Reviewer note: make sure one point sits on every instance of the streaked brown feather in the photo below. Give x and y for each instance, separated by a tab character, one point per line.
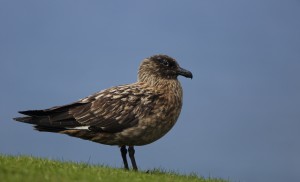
117	108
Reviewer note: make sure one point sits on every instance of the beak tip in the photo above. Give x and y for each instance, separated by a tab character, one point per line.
189	75
185	73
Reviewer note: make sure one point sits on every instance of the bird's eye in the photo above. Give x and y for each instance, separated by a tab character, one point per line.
165	62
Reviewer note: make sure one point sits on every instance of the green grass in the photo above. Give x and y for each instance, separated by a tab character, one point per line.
23	168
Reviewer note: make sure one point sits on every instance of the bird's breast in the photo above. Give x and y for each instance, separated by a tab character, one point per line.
165	112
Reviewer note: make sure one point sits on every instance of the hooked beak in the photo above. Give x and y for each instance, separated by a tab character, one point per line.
184	73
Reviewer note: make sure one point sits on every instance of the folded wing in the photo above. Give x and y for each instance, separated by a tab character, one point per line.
111	110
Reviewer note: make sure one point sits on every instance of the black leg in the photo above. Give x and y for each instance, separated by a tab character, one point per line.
123	153
131	155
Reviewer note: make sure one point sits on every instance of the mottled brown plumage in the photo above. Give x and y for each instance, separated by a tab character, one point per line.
126	115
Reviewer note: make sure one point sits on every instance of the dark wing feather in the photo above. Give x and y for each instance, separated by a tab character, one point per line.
52	110
53	117
115	109
111	110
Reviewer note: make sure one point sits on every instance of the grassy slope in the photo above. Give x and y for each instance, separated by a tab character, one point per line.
32	169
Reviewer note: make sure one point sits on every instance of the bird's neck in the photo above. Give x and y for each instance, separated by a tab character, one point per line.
169	85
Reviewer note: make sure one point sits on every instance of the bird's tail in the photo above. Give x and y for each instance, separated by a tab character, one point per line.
41	124
59	122
27	119
53	120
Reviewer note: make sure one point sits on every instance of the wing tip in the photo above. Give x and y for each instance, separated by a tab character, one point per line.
22	112
27	119
32	112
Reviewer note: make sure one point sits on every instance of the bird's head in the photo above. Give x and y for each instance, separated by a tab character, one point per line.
161	67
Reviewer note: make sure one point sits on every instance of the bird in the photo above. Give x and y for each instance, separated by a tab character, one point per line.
127	115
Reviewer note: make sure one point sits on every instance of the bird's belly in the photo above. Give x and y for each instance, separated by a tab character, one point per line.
145	133
149	128
142	134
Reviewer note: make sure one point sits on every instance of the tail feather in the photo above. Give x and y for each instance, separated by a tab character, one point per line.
54	119
47	121
49	129
27	119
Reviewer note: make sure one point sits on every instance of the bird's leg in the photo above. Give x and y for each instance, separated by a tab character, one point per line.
131	155
124	157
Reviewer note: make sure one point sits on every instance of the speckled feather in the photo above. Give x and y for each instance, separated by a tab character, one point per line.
132	114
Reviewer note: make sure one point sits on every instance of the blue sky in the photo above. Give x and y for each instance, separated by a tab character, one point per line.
240	118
